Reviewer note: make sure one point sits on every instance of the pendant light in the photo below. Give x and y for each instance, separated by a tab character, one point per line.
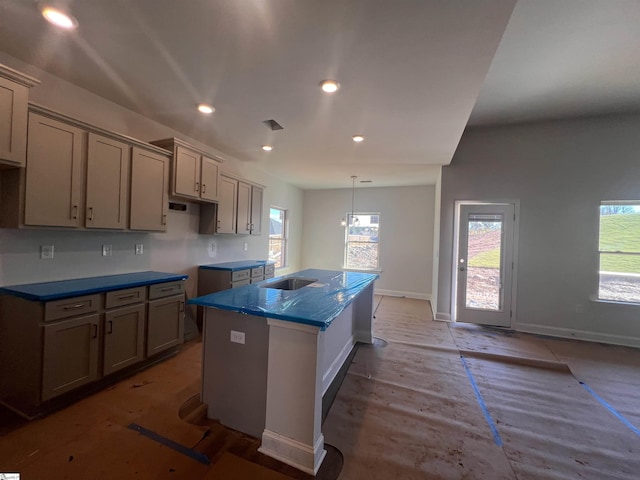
352	220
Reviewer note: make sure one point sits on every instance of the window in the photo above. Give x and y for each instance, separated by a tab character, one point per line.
362	241
278	236
619	248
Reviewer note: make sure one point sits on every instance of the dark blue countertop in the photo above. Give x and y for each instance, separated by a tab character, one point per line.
43	292
316	304
237	265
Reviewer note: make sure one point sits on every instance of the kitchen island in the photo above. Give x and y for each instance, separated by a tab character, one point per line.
272	349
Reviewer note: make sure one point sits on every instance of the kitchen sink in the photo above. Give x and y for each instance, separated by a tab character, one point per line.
291	283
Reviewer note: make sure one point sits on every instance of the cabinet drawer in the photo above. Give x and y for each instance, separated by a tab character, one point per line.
269	269
257	272
268	275
160	290
245	281
70	307
257	279
128	296
240	275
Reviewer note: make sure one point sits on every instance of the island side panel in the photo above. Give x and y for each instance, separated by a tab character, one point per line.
337	341
294	397
363	315
234	375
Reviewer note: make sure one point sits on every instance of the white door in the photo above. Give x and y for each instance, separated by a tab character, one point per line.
485	264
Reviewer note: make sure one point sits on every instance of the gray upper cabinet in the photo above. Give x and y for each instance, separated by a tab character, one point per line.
194	173
108	164
149	191
81	176
54	183
227	205
249	209
14	98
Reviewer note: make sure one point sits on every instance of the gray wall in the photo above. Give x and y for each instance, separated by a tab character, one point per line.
406	234
180	250
560	171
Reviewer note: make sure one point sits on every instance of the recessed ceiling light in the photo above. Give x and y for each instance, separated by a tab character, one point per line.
204	108
358	138
59	18
329	86
267	148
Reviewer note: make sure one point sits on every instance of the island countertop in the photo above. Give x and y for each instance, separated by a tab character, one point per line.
316	304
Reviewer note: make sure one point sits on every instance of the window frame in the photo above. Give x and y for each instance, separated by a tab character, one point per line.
598	296
284	257
347	242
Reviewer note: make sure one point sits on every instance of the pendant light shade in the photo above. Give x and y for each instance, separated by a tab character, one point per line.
351	219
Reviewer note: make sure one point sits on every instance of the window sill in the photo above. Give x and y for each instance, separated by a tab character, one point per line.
595	299
363	270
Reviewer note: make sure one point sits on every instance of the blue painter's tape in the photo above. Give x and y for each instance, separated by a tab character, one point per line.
494	430
604	403
197	456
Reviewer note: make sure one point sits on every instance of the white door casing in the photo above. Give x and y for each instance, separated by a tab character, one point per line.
485	263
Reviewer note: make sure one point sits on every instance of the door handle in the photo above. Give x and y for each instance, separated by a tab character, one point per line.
462	269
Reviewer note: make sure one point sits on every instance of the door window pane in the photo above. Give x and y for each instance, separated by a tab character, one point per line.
484	252
278	236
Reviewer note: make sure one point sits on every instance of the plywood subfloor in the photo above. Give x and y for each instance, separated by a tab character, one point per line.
409	410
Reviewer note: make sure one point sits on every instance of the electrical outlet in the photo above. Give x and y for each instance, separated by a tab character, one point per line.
139	248
237	337
106	250
46	251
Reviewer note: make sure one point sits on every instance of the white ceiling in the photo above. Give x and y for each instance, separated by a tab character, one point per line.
410	70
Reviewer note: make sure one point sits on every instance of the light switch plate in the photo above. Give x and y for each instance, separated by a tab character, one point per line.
139	248
106	250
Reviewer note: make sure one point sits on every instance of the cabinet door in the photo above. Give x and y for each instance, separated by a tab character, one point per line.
227	210
165	324
209	178
256	210
70	355
107	183
13	122
53	189
123	337
186	173
244	208
149	191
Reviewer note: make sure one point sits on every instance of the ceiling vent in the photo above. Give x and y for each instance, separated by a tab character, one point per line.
273	125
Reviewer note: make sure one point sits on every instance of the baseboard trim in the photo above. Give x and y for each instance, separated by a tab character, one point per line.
398	293
442	317
297	454
579	335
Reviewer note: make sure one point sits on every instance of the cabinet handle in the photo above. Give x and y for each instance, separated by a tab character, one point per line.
95	330
73	307
74	214
204	188
124	297
91	214
164	219
197	186
167	289
182	306
110	322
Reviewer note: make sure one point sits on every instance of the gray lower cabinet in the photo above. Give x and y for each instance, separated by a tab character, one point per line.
48	348
70	354
123	337
166	324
